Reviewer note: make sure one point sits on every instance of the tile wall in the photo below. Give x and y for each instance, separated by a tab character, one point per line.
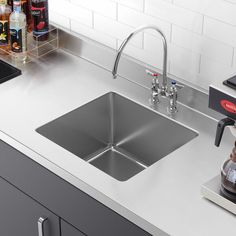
201	34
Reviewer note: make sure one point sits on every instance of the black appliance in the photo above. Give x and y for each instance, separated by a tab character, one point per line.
222	98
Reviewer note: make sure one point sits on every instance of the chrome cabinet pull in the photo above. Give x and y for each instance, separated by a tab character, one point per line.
41	223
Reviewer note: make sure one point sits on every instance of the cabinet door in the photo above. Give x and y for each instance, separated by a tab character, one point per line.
68	202
69	230
19	214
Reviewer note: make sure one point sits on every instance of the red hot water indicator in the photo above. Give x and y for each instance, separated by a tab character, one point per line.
228	106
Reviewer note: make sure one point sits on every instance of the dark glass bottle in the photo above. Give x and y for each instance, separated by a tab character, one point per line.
10	3
25	5
39	11
228	176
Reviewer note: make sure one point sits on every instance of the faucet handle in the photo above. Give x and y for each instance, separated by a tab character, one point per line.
173	94
152	74
155	86
175	84
155	81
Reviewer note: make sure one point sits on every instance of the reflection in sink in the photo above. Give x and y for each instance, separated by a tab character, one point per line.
117	135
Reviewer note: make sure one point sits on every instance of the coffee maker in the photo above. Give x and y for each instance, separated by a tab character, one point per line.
222	98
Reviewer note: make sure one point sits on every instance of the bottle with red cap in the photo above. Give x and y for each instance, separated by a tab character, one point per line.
26	5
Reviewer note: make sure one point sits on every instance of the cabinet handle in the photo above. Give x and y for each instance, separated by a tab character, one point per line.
41	223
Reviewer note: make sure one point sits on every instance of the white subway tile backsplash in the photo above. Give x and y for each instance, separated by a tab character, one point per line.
135	4
136	19
195	5
220	31
60	20
153	45
152	58
184	63
104	7
218	9
93	34
171	1
231	1
116	29
202	45
214	71
201	34
174	14
75	12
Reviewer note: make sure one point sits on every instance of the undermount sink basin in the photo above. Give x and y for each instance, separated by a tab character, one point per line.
117	135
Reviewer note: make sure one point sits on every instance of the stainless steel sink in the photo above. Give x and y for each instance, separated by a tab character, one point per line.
117	135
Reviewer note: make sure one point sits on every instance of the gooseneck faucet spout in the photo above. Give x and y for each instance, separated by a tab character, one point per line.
125	42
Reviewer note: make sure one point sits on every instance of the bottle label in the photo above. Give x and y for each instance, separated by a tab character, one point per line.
4	27
3	2
39	12
16	40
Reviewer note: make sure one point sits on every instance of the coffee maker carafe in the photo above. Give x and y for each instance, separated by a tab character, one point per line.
223	100
228	169
228	176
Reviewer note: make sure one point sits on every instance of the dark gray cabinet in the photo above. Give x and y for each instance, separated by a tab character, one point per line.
71	204
19	214
69	230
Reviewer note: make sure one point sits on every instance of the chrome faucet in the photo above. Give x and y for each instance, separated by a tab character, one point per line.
156	89
163	87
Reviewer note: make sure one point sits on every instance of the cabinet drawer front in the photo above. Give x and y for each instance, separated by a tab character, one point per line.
69	230
65	200
19	214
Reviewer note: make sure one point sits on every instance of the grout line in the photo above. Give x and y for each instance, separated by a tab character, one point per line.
203	13
229	2
117	6
70	24
202	35
234	55
143	38
130	7
171	33
144	5
203	24
199	65
221	21
117	44
93	21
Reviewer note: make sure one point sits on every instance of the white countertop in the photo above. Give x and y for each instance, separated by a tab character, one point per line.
165	196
